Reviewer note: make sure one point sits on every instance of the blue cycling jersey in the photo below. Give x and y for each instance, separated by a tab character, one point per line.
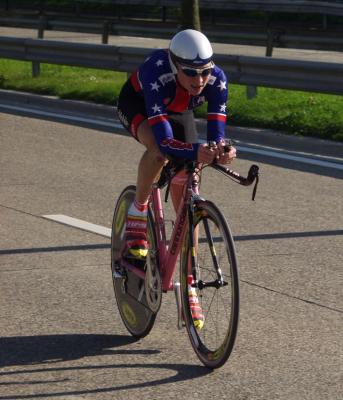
163	95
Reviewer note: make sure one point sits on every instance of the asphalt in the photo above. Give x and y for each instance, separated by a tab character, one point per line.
60	333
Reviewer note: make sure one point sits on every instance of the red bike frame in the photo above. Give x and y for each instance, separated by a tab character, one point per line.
168	254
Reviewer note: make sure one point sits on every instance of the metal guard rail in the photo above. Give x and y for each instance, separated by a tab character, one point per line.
256	71
290	6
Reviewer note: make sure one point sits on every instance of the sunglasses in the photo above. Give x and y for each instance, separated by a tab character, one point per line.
193	72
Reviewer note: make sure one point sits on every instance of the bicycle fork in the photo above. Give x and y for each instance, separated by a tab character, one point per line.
177	286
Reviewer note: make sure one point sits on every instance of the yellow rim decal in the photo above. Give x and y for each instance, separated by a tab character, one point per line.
129	314
120	217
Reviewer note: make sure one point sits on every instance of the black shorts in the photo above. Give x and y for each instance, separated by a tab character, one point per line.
132	112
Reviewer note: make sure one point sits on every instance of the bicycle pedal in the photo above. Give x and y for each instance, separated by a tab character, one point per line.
118	272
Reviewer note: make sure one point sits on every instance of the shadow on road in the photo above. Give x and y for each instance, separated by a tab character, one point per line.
23	350
102	246
35	350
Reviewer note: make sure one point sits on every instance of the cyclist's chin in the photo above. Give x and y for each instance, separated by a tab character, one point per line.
195	90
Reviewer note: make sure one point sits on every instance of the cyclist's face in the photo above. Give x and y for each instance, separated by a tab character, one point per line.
194	80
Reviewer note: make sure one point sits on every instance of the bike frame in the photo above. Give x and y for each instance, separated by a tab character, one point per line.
168	253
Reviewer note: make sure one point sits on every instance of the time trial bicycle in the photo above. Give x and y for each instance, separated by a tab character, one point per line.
203	240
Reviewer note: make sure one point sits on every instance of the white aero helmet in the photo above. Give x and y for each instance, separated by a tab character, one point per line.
191	48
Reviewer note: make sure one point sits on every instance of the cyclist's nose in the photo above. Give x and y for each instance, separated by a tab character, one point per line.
199	79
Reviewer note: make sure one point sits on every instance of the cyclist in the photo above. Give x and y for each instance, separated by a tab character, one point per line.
156	106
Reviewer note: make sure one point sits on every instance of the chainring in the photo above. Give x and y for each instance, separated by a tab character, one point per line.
153	284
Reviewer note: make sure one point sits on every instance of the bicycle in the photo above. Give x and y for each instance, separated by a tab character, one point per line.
208	264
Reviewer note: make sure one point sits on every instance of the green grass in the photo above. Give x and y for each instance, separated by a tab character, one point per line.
298	113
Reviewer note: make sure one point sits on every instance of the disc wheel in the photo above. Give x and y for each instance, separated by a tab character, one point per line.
129	289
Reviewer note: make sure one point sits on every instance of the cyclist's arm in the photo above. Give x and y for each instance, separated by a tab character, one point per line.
216	95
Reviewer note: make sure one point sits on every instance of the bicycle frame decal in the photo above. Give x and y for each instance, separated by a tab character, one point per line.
178	234
168	255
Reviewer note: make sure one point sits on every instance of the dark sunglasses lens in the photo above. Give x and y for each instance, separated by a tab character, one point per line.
193	72
206	72
190	72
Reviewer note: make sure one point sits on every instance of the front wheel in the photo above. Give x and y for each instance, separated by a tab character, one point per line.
128	287
216	285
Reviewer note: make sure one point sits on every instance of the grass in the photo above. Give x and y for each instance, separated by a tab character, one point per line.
298	113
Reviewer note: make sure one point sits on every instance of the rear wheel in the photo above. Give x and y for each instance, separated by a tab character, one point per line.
216	286
129	289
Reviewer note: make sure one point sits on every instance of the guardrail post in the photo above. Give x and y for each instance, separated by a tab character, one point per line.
270	43
43	22
35	69
251	92
105	32
325	22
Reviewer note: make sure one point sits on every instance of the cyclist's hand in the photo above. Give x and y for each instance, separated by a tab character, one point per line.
206	154
224	156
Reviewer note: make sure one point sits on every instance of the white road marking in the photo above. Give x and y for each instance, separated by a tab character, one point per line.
32	111
79	224
291	157
312	159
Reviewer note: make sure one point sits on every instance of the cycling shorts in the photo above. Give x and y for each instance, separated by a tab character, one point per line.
132	112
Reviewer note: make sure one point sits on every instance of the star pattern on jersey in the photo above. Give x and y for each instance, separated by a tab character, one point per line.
159	63
199	100
156	108
155	86
222	85
222	107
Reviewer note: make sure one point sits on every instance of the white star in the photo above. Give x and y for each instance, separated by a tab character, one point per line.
159	63
155	86
222	107
156	108
222	85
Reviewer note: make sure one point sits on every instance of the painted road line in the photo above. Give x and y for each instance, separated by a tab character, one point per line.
339	160
79	224
94	121
291	157
103	231
310	159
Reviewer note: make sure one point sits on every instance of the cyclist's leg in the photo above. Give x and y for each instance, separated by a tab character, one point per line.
184	129
132	113
151	163
149	169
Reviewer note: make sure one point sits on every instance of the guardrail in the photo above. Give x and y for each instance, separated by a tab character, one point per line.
328	7
256	35
269	33
255	71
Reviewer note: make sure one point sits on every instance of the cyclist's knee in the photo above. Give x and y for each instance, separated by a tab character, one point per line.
157	157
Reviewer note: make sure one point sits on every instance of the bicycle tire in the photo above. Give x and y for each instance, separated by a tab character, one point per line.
136	315
214	342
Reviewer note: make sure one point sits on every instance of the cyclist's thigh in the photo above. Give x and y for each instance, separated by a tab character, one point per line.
187	121
146	136
131	109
